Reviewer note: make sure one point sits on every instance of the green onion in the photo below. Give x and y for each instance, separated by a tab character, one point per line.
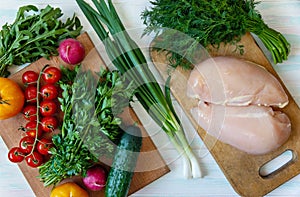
130	61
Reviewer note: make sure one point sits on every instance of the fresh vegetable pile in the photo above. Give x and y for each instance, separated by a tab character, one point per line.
90	128
131	62
209	23
71	114
34	33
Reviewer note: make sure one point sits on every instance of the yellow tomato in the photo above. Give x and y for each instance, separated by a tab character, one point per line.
69	189
11	98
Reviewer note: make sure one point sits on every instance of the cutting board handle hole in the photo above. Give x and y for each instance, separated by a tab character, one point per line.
277	164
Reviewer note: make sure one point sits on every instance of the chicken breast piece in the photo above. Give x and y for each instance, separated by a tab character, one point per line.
235	82
252	129
235	104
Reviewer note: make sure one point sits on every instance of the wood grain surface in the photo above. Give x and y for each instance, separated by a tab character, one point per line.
240	168
150	164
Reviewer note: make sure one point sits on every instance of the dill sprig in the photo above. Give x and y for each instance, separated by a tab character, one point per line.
209	23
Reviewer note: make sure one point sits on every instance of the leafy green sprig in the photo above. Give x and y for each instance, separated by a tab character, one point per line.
34	33
128	58
90	128
209	23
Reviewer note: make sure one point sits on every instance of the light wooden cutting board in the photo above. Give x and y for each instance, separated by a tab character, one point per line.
241	169
150	165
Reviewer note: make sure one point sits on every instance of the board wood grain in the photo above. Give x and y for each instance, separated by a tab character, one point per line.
150	164
240	168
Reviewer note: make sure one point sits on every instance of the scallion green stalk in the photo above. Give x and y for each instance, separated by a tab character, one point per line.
130	61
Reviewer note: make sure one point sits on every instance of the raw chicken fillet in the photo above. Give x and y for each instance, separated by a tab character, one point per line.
232	81
235	104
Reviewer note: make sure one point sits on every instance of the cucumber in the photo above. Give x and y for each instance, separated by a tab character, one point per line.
124	163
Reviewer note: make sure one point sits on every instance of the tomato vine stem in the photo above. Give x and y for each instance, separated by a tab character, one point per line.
38	109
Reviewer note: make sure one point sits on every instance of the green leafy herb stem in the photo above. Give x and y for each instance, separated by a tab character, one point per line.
90	128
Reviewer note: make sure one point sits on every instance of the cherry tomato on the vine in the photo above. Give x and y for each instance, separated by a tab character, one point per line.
26	144
49	91
30	78
44	145
30	112
48	107
31	94
16	155
31	131
51	75
49	123
34	160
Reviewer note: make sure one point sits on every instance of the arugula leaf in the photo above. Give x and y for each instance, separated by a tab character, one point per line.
32	36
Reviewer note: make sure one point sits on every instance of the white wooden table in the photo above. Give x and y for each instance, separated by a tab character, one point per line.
282	15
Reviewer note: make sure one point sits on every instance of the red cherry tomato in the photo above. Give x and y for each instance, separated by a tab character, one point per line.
31	131
44	145
34	160
26	144
48	108
30	78
31	94
51	75
16	155
30	112
49	123
49	91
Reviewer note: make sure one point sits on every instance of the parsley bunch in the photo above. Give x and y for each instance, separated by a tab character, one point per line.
91	128
34	33
209	23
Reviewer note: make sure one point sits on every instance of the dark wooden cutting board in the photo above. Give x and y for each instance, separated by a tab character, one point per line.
150	165
240	168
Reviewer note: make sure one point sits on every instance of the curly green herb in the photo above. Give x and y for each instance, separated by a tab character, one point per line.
210	23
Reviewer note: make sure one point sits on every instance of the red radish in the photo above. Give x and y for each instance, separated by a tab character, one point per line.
95	179
71	51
